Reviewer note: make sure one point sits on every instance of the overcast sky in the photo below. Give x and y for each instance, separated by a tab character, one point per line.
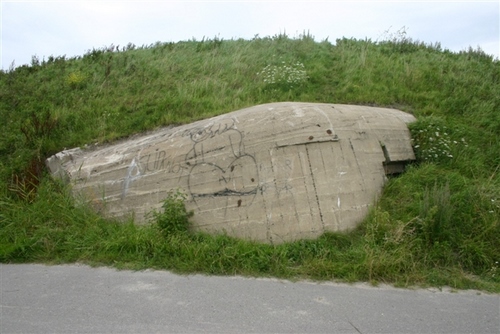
71	28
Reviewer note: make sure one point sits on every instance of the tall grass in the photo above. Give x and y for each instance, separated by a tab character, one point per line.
436	224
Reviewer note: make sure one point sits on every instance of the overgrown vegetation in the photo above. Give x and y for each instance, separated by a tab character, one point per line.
437	224
174	219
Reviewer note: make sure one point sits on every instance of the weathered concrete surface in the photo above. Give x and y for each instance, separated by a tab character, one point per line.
275	172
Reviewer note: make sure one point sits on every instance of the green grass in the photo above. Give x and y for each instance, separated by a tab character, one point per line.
435	225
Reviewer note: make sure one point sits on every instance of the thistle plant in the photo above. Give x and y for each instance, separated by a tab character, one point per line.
284	75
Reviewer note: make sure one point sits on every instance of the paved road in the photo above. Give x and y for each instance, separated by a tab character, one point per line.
80	299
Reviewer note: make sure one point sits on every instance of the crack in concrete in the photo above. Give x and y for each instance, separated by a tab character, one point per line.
356	328
315	189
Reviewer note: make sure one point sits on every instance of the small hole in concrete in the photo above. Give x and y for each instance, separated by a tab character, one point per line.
311	137
253	179
329	131
239	203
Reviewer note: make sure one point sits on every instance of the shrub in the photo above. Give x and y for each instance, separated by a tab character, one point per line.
174	218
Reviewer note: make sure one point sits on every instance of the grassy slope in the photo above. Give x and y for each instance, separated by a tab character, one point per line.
437	224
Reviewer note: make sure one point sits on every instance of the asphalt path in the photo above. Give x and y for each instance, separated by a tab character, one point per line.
81	299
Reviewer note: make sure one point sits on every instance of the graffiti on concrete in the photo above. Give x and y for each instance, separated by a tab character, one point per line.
275	172
216	165
219	164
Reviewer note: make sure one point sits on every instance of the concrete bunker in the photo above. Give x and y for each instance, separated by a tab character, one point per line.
272	173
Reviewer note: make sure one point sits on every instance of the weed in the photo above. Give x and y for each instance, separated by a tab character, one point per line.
284	75
39	125
436	215
494	272
433	141
174	218
76	79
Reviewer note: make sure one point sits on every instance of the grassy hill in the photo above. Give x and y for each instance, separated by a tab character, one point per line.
437	224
